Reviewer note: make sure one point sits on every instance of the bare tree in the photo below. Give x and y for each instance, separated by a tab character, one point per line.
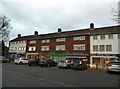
116	14
4	28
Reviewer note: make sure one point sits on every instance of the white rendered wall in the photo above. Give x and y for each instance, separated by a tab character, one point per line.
17	46
106	41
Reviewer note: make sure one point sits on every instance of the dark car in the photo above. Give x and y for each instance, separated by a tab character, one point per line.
34	61
4	59
78	64
47	63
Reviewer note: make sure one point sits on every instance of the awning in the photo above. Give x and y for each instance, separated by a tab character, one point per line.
74	57
45	55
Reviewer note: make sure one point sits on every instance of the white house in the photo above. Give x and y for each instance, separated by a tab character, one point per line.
104	46
17	47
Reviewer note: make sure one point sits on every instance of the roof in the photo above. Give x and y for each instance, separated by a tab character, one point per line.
95	31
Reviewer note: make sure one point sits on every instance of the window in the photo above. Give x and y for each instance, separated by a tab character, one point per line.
46	41
21	48
102	37
13	49
108	47
79	38
60	47
60	39
95	47
102	48
32	48
33	41
79	47
44	48
95	37
110	36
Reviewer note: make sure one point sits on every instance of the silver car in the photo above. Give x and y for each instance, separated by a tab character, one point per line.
113	66
64	64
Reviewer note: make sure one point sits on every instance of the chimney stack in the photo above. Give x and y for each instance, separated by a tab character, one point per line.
19	35
91	26
59	30
36	33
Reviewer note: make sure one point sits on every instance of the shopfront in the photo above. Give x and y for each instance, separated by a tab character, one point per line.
101	61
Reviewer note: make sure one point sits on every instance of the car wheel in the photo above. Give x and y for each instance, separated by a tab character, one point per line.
20	63
29	64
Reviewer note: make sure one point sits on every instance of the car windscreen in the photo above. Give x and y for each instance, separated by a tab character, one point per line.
115	63
76	61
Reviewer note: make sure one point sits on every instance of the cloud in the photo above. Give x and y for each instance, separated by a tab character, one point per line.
48	15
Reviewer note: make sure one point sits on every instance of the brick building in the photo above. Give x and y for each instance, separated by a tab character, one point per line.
60	45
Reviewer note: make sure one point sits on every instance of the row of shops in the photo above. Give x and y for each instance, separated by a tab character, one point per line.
94	61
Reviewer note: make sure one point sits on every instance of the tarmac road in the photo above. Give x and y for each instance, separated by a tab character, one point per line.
36	76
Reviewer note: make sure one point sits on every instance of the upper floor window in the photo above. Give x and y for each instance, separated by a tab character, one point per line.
102	37
33	48
79	38
33	41
60	39
21	48
79	47
108	47
102	47
60	47
44	48
110	36
46	41
13	49
95	47
95	37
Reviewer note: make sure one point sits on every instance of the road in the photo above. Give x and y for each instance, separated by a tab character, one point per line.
36	76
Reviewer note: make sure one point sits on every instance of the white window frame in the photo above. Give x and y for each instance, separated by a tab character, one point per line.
108	48
32	41
100	49
60	39
79	47
60	47
102	37
46	41
95	37
44	48
79	38
95	48
110	36
32	48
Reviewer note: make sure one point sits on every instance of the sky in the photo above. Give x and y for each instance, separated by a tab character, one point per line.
46	16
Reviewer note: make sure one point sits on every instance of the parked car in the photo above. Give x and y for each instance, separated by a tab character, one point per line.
78	64
113	66
34	61
47	63
21	61
64	64
4	59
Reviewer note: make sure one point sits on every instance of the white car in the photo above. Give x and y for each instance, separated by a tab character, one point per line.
113	66
21	61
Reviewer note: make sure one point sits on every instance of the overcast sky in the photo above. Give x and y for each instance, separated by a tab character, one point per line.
46	16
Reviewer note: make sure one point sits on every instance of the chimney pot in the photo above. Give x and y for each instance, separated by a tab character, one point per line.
91	25
36	33
19	35
59	30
